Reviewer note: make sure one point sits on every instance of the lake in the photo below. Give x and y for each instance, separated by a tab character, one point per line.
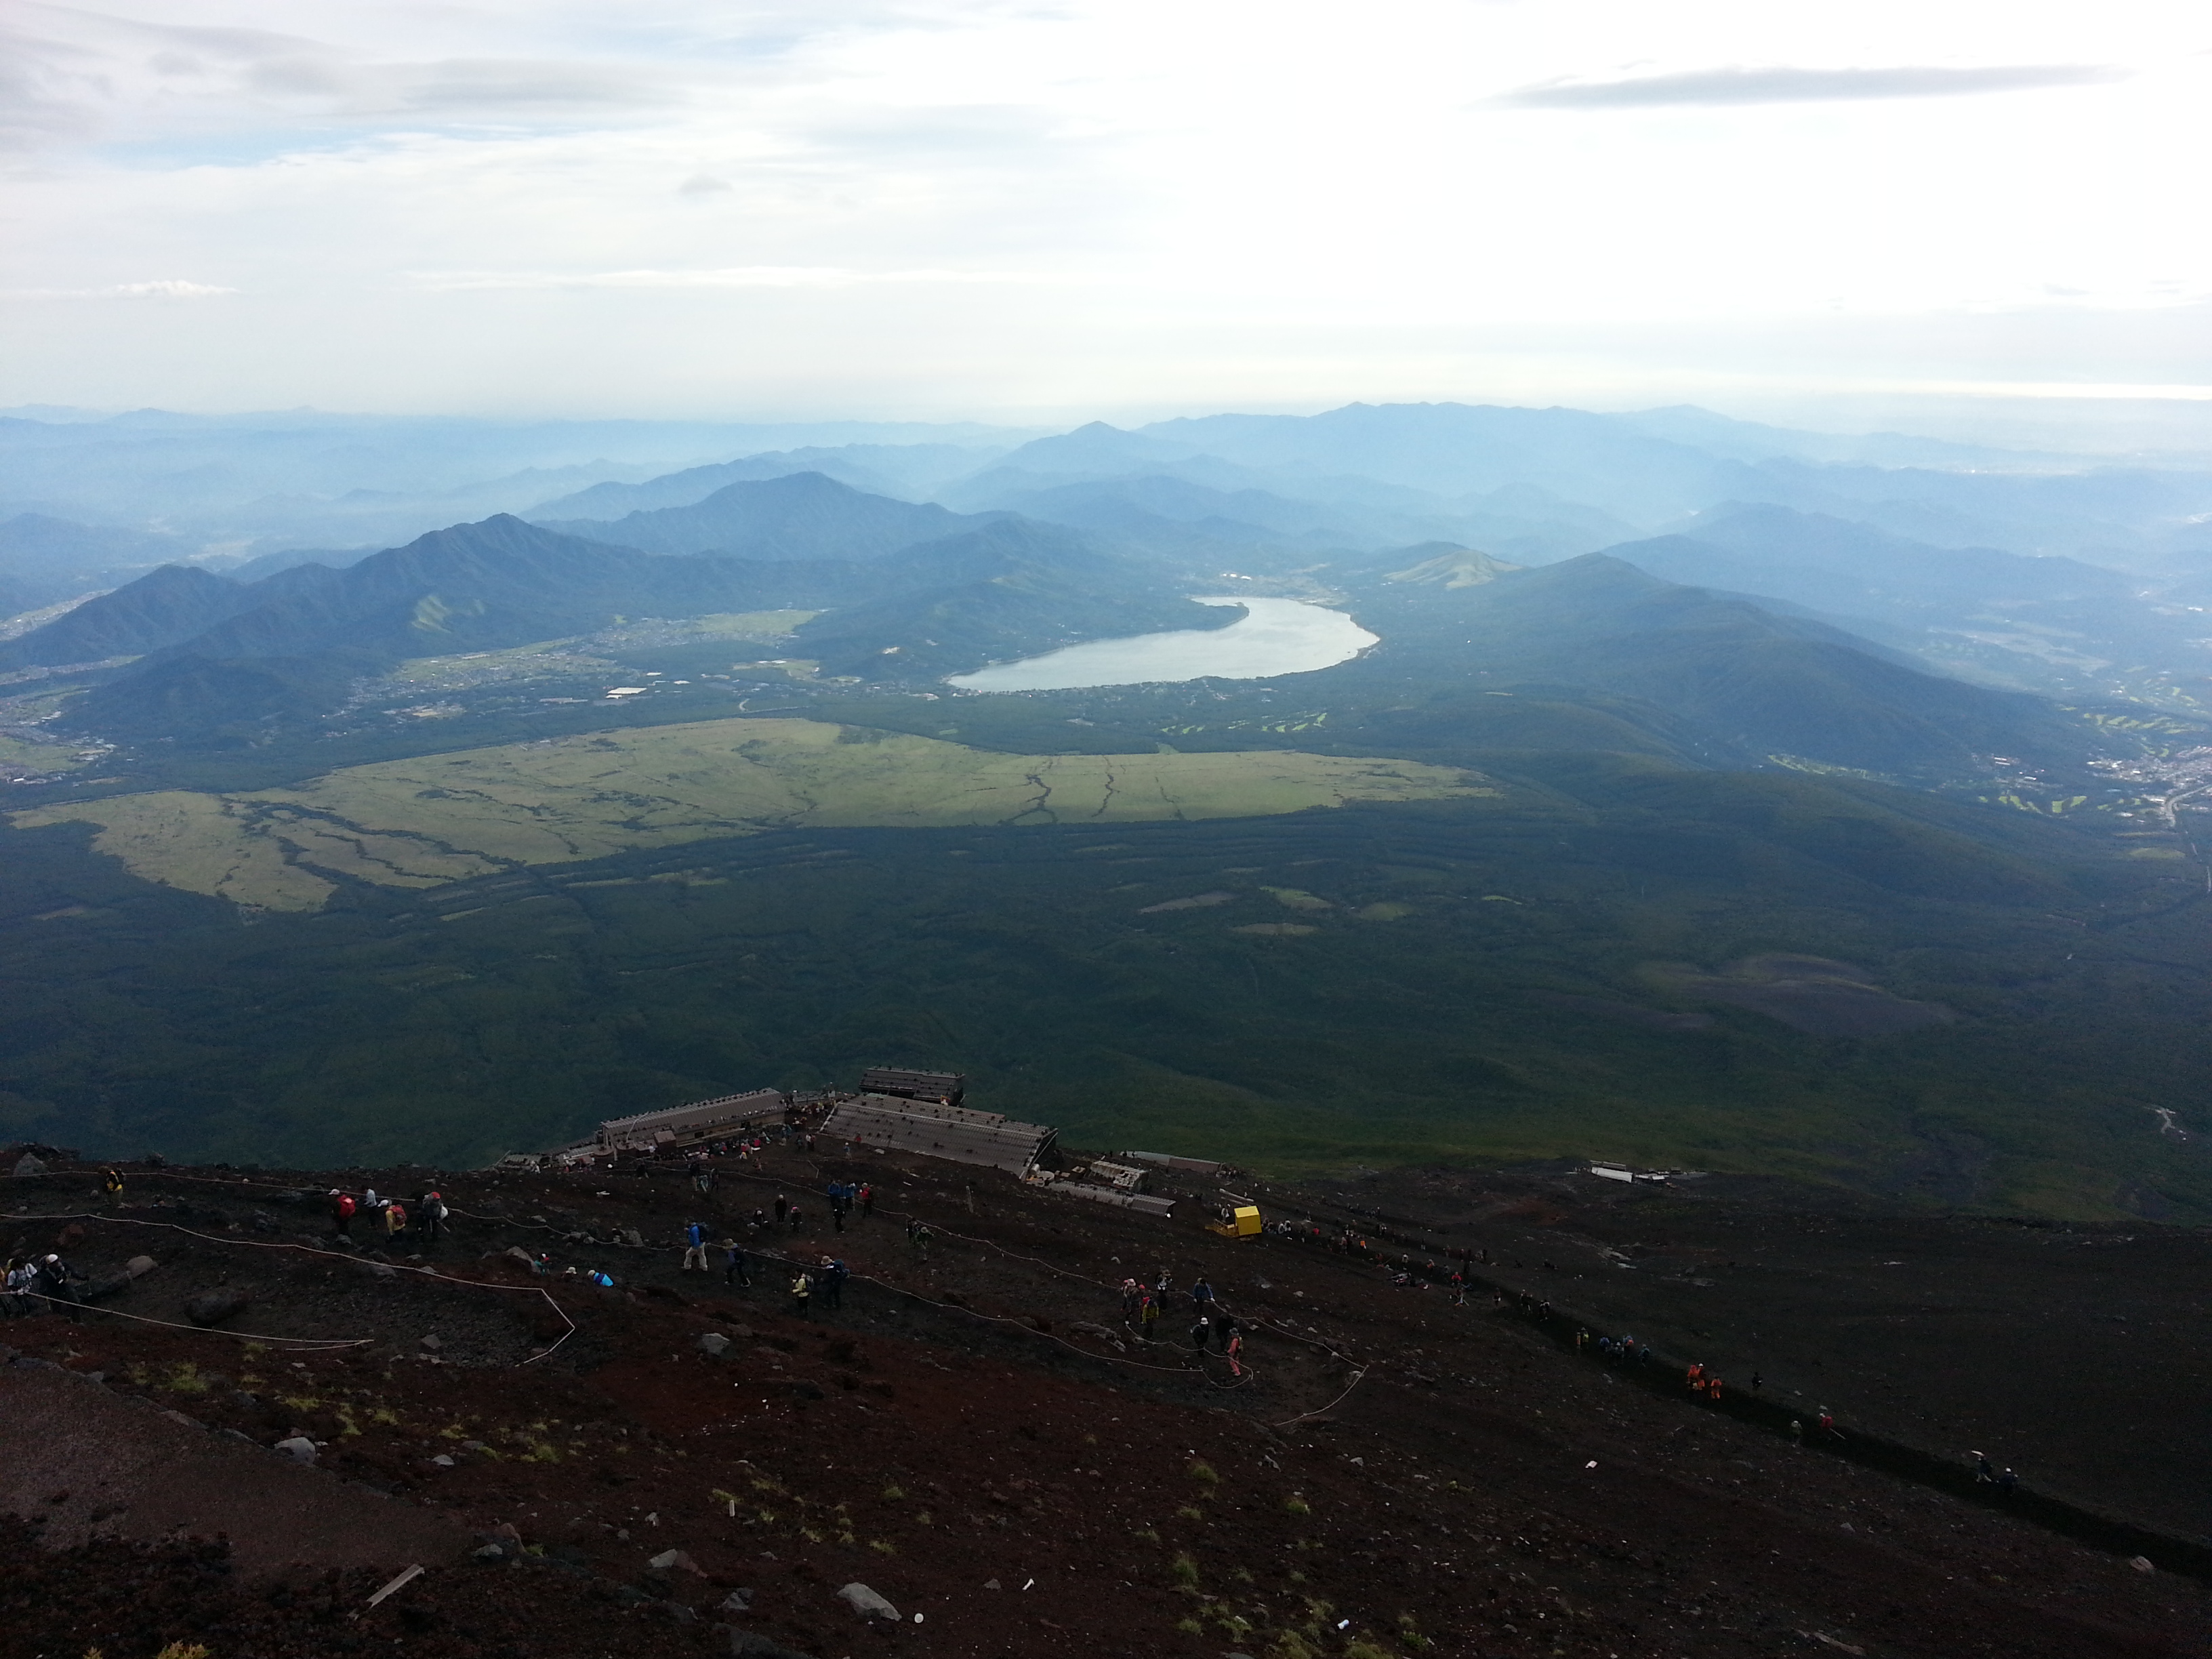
1275	636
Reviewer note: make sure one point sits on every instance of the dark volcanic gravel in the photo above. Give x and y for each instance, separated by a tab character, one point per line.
973	1436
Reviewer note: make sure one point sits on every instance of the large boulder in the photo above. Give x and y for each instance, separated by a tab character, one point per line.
866	1602
213	1307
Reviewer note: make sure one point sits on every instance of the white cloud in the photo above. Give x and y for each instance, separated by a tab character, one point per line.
966	203
162	288
1782	85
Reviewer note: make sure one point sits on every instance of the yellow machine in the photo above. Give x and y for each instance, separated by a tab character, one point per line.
1238	1221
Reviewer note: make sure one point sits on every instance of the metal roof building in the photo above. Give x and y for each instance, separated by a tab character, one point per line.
990	1138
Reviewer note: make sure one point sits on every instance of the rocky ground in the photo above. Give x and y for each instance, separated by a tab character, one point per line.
672	1466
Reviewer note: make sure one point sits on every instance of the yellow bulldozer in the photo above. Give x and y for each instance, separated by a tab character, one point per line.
1235	1221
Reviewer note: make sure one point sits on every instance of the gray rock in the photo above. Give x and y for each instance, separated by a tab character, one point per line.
491	1552
678	1612
29	1164
431	1343
634	1239
139	1266
866	1602
213	1307
300	1449
672	1561
522	1255
738	1600
443	1462
713	1344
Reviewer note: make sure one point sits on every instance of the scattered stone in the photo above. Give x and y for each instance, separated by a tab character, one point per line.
30	1164
505	1533
443	1462
213	1307
139	1266
2142	1563
431	1342
713	1344
867	1603
738	1600
993	1583
518	1254
674	1561
491	1552
678	1612
634	1239
300	1449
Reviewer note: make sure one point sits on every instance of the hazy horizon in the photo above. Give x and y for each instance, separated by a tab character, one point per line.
1950	223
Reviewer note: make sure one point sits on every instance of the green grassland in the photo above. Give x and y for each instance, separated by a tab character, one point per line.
439	818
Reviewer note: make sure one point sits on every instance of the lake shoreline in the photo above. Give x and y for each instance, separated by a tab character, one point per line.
1274	636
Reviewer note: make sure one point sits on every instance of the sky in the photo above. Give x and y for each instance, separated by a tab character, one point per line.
1049	210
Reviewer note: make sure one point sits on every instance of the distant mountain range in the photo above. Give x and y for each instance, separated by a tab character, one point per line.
800	515
902	598
1753	686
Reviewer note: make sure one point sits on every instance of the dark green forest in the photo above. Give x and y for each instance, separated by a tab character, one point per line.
1427	983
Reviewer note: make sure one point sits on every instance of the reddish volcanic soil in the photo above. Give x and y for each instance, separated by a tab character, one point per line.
971	1435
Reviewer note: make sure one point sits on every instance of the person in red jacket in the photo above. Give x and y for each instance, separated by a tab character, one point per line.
342	1209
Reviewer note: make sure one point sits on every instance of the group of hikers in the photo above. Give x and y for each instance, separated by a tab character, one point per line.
34	1283
1143	1307
389	1220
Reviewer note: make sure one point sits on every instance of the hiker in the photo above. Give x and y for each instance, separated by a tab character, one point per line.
1199	1330
782	1208
702	1178
1796	1433
53	1282
2008	1482
834	1275
430	1213
1713	1389
1148	1318
1133	1297
395	1220
1225	1326
1985	1472
1697	1376
110	1183
734	1263
1828	1425
802	1288
342	1209
794	1219
1235	1347
867	1200
1757	1381
1201	1296
922	1238
15	1290
695	1247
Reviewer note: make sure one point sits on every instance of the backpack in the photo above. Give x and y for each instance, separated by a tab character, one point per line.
346	1206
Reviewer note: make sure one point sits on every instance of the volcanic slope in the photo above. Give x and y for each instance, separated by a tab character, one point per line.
969	1432
445	817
